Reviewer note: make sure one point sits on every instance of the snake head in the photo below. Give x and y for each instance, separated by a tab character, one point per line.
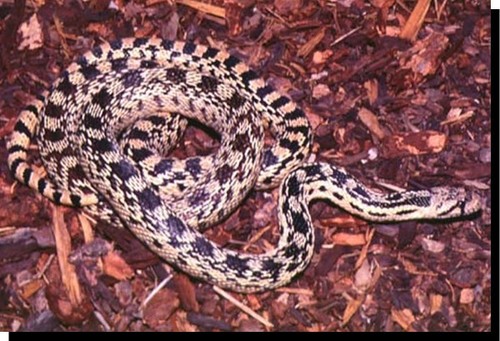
453	202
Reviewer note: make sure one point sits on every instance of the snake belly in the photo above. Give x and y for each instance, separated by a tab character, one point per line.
96	161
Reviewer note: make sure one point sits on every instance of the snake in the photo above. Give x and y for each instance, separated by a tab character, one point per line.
105	127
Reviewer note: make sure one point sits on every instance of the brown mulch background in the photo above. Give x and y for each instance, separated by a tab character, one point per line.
396	100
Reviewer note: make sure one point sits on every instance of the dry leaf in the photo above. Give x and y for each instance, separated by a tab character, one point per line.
455	116
285	7
371	87
30	288
363	277
308	47
343	221
321	90
314	119
116	267
160	308
466	296
345	3
404	318
424	57
352	307
320	57
31	34
371	122
432	245
342	238
364	251
187	293
436	301
382	3
419	143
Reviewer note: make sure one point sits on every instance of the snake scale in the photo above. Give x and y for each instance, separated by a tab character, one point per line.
106	122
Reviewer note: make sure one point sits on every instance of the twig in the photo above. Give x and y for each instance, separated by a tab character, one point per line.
342	37
63	247
256	237
458	119
6	230
415	21
309	46
205	8
441	9
277	16
101	319
390	186
297	291
88	233
157	289
45	266
364	250
243	307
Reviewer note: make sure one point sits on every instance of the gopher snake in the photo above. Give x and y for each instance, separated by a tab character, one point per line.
101	128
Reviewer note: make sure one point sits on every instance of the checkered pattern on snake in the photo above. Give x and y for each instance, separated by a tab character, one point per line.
104	124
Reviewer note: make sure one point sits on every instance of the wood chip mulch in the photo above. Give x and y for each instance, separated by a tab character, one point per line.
398	92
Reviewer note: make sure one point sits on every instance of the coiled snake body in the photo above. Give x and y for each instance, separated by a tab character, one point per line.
105	122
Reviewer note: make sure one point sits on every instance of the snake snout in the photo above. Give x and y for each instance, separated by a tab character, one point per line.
472	203
456	202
